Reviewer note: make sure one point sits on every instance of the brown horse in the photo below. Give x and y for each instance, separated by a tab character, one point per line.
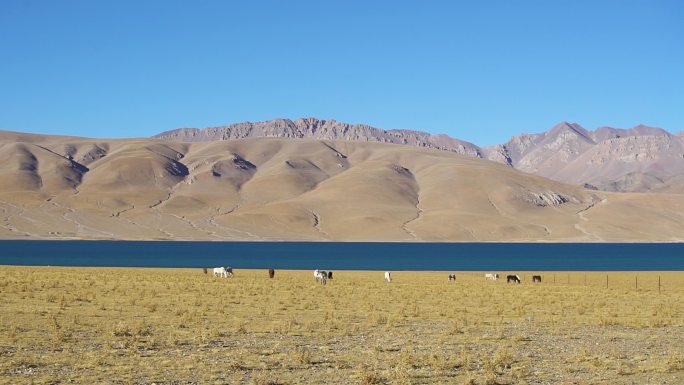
271	273
513	278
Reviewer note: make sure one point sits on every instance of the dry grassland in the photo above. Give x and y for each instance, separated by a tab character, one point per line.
141	326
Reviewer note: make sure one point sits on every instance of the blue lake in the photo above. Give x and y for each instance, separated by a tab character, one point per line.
349	256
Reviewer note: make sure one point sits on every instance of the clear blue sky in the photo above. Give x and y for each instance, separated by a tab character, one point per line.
477	70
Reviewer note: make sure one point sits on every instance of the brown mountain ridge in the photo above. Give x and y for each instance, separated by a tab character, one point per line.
612	159
306	189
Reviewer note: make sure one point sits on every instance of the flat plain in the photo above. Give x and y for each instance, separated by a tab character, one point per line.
180	326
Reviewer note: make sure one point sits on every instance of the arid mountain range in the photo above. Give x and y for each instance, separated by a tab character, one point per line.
611	159
306	189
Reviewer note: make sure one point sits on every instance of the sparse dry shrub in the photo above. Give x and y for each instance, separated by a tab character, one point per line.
469	380
661	316
441	362
408	359
466	358
675	361
607	320
500	333
143	329
491	378
370	378
457	326
241	327
173	339
58	334
503	359
581	309
519	372
122	329
625	369
303	356
415	310
63	302
13	331
379	319
401	373
265	380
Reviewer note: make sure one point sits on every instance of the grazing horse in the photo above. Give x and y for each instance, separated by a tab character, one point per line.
491	276
536	278
321	276
271	273
330	275
513	278
452	277
222	272
388	277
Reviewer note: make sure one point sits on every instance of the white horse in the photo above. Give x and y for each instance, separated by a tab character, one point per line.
491	276
321	276
223	272
388	277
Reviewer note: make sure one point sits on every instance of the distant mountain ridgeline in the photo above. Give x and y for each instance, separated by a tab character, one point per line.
639	159
321	129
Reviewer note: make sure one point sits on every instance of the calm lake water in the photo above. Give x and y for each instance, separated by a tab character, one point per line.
348	256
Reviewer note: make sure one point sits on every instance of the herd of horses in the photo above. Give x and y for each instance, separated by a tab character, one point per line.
322	276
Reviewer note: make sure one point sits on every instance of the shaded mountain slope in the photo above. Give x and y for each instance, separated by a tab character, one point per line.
307	189
607	158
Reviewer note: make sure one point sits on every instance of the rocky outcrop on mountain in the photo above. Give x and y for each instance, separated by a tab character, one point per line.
321	129
544	154
638	159
603	133
548	198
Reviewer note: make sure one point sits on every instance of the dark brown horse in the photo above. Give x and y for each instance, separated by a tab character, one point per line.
536	278
271	273
513	278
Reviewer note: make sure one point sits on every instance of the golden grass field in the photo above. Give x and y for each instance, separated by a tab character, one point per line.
179	326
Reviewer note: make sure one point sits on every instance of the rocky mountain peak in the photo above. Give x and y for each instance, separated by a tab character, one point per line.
605	133
565	131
